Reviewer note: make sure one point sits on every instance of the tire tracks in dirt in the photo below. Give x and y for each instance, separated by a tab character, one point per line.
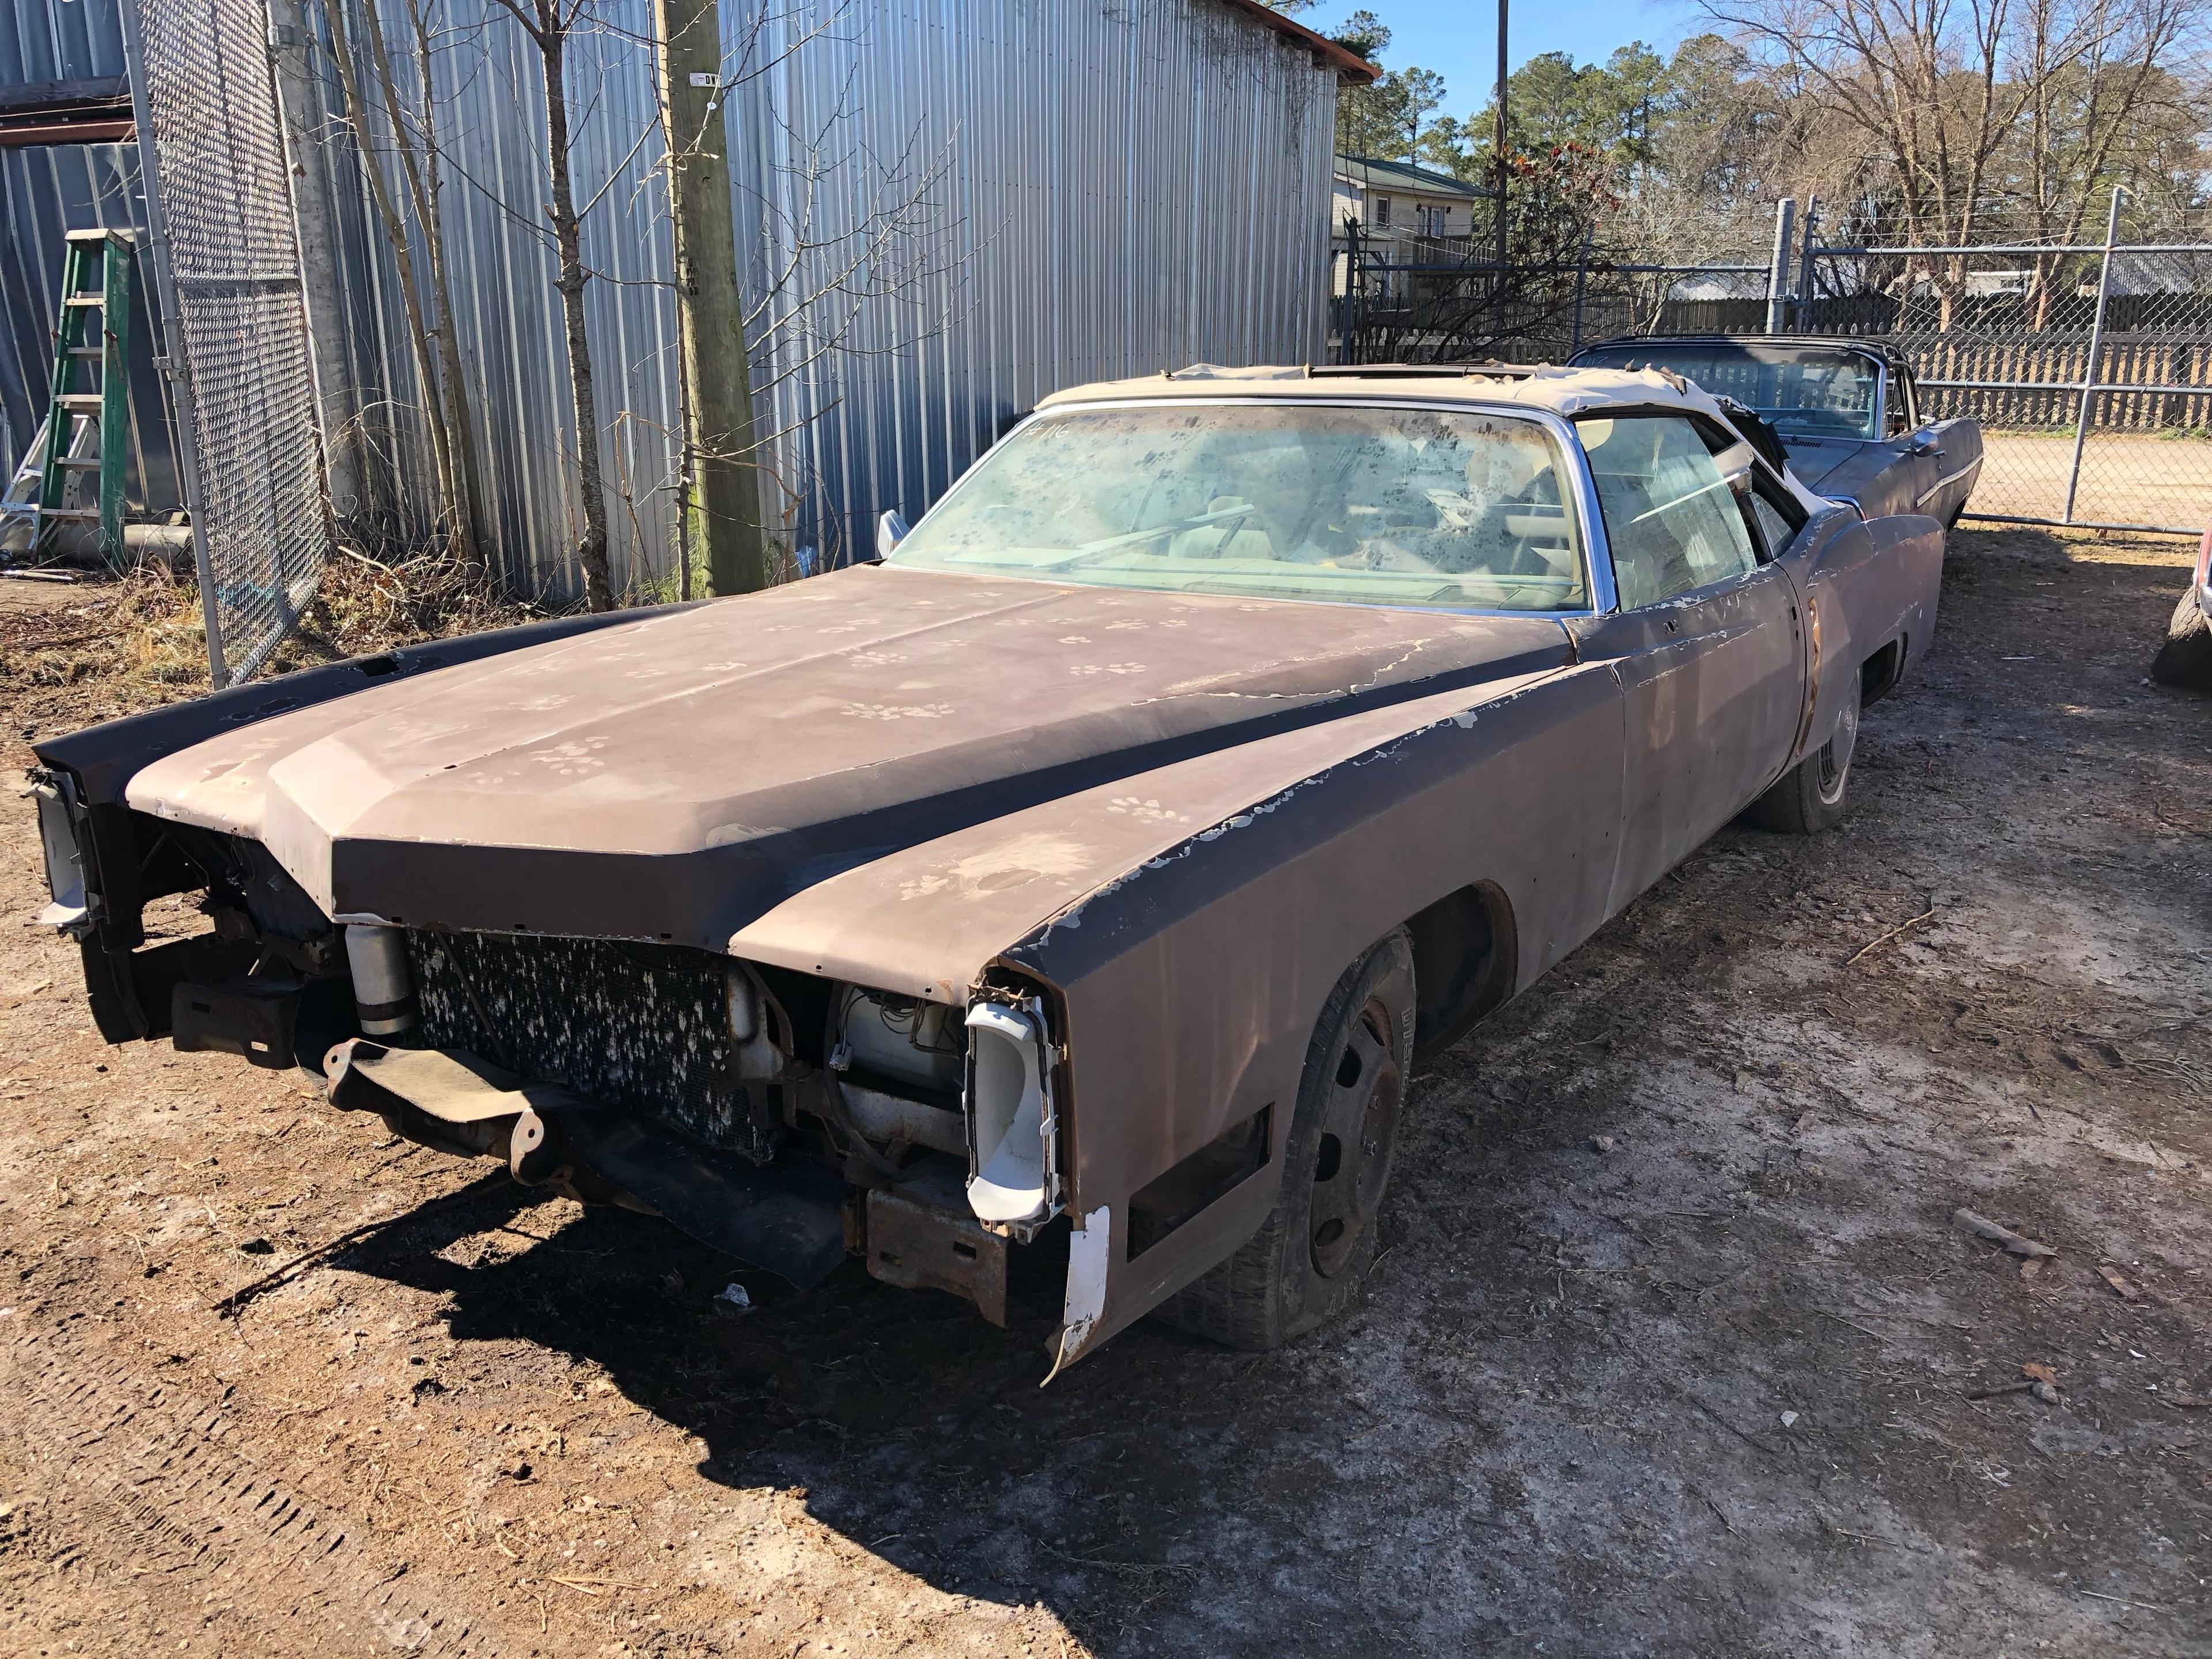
151	1480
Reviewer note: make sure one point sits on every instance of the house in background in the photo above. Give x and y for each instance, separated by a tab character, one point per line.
1404	215
1397	200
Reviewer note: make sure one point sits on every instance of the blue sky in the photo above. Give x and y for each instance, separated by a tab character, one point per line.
1458	39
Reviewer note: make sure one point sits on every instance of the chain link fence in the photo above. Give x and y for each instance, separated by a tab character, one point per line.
227	269
2089	364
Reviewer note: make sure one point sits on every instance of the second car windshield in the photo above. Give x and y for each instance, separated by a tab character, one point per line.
1370	505
1806	391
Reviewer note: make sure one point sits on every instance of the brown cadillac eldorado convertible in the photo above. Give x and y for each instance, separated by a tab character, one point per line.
1112	849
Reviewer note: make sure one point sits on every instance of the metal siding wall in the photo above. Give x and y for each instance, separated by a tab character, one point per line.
947	209
1115	192
59	40
46	190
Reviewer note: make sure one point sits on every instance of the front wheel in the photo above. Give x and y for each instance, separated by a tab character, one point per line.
1306	1264
1811	796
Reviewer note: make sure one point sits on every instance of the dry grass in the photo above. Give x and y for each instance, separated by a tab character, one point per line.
365	605
139	635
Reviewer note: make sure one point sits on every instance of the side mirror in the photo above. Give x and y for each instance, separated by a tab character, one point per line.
890	531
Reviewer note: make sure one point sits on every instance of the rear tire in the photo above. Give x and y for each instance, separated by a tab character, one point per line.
2186	658
1306	1264
1812	795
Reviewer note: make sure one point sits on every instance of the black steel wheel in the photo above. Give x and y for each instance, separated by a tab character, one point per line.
1306	1263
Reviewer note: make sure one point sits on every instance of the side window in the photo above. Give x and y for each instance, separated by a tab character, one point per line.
1670	517
1900	413
1774	529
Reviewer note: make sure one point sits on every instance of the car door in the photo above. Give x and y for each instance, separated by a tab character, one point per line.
1705	641
1911	463
1950	452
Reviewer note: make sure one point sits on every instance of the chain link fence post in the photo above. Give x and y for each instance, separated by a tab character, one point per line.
2089	374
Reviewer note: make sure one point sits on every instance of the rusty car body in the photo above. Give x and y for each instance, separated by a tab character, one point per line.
1848	413
1089	874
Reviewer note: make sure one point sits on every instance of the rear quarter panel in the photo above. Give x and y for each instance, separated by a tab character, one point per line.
1865	585
1879	478
1958	467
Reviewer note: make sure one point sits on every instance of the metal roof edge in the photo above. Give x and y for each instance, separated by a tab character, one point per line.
1348	65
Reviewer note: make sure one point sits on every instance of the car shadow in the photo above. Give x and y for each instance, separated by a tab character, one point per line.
917	1430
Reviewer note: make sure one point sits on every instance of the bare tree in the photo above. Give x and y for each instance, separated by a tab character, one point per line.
1975	115
550	24
458	520
423	189
849	225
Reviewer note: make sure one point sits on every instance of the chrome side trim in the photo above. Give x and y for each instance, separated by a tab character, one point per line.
1946	481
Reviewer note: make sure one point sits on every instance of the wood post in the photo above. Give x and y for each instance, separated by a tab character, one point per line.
291	43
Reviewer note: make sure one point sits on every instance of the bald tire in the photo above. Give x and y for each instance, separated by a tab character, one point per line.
1814	794
2186	658
1272	1290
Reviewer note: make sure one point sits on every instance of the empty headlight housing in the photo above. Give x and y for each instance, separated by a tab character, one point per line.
1013	1179
64	864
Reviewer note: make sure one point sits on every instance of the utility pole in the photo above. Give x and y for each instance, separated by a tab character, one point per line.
300	103
1497	182
722	504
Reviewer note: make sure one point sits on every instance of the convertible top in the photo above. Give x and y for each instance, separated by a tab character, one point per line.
1563	391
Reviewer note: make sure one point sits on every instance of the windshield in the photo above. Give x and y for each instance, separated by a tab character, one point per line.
1360	505
1809	391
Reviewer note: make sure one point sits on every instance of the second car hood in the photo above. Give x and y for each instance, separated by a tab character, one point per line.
731	754
1813	459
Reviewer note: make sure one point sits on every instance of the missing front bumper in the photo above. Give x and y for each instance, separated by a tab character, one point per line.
786	1219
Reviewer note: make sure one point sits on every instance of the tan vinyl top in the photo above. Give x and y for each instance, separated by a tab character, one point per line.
1563	391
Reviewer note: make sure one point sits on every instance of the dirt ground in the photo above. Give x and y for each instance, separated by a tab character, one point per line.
1673	1347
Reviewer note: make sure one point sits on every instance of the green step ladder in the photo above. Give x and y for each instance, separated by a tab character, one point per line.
87	429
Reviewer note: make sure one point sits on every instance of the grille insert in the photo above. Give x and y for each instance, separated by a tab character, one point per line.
646	1026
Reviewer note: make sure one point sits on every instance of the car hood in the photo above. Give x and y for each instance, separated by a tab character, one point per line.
1813	460
674	777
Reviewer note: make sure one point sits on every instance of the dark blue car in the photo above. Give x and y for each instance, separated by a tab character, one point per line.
1846	411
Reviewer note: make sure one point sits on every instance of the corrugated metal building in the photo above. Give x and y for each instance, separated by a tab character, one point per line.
45	189
944	210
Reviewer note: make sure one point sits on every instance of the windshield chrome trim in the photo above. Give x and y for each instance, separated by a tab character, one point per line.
1597	555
